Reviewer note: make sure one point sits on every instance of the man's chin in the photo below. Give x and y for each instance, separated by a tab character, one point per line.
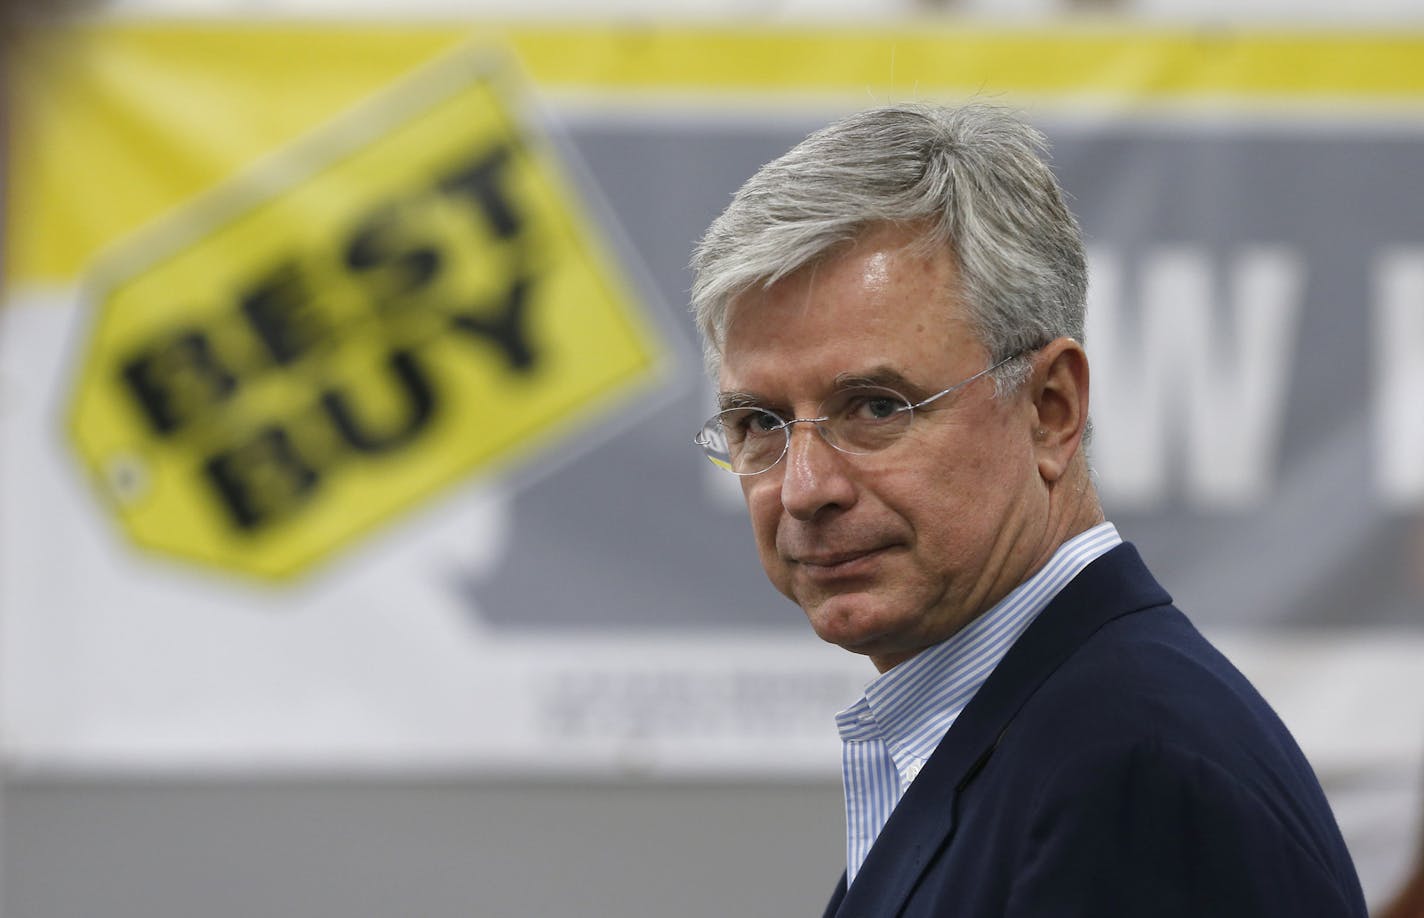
854	622
865	624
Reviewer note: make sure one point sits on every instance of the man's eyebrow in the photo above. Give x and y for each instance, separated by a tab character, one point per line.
735	399
884	376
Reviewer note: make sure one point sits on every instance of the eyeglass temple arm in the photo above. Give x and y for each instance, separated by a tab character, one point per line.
964	382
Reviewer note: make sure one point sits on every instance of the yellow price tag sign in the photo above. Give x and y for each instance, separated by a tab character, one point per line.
406	298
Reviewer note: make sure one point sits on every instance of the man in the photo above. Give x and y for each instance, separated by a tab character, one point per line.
893	312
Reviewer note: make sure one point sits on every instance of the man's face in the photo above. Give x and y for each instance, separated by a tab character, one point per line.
890	552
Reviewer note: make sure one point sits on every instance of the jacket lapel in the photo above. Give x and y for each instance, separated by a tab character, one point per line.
923	822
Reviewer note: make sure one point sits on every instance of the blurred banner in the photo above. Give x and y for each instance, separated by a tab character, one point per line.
347	391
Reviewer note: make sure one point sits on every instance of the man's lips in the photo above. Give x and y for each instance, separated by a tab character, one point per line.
838	564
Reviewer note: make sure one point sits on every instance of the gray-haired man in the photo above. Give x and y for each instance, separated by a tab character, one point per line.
893	313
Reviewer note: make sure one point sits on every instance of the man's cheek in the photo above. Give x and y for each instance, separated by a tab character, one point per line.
778	570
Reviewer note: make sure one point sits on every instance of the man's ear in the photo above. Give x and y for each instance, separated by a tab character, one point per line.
1059	390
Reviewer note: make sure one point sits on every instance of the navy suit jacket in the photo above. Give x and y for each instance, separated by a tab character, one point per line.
1113	764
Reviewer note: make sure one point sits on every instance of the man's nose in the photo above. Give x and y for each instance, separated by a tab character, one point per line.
816	476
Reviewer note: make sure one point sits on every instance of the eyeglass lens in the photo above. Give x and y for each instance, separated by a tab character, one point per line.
858	420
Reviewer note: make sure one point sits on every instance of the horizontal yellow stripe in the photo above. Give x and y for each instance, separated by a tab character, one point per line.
115	125
945	59
940	57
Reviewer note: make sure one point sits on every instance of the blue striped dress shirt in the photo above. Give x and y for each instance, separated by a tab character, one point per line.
889	734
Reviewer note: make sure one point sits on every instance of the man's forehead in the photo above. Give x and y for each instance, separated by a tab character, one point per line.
879	311
766	352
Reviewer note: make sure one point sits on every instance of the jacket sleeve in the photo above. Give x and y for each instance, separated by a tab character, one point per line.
1150	830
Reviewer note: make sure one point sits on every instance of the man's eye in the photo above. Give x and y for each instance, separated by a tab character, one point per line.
881	407
751	422
873	406
763	422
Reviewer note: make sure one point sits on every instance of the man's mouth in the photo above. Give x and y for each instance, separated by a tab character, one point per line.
840	564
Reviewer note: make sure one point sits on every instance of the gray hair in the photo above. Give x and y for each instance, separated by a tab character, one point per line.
973	176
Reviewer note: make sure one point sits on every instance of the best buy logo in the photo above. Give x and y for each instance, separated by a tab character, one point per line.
405	299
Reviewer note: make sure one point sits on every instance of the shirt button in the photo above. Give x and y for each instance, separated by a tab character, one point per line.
913	771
